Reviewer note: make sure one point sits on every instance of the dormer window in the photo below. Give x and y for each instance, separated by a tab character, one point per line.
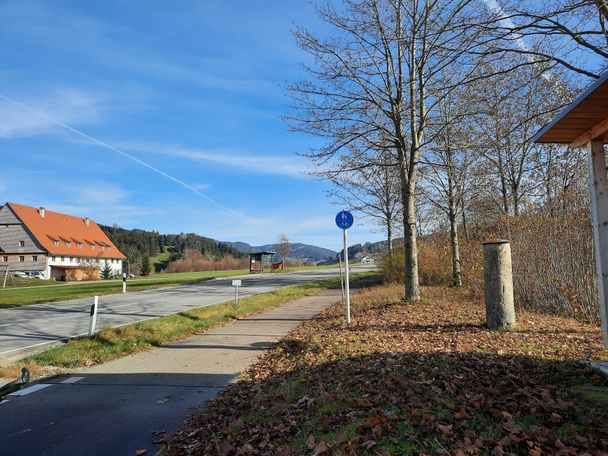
21	243
79	244
56	243
68	244
103	247
92	246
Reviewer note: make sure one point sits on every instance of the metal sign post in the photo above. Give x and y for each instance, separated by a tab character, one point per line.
93	316
124	282
345	220
236	284
341	280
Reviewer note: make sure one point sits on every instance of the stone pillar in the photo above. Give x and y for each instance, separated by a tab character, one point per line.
498	284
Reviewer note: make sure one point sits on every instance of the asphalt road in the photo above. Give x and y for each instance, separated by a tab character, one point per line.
29	328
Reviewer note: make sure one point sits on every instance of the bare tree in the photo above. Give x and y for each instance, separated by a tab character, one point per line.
561	172
380	78
284	247
571	34
447	175
371	189
512	106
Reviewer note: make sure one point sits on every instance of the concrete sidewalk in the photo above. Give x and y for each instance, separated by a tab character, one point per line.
113	408
226	350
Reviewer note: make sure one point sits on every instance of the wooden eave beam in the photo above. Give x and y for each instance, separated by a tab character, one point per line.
599	131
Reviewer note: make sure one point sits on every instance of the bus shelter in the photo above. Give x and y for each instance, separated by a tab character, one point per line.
257	260
584	123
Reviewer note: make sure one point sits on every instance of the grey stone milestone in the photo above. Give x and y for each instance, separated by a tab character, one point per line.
498	285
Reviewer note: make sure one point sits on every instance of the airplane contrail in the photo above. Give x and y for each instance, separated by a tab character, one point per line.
119	151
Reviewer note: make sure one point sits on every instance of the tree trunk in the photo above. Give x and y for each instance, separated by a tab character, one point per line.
464	222
456	273
389	235
411	283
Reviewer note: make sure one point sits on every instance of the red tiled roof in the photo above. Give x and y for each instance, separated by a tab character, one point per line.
59	227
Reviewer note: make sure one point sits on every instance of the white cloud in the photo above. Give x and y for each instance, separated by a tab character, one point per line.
101	193
496	8
67	105
288	165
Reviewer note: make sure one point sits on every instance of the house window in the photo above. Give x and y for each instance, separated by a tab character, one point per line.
5	259
21	243
62	259
56	243
54	258
71	259
21	259
34	258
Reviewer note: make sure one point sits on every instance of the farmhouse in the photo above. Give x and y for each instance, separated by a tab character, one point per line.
52	245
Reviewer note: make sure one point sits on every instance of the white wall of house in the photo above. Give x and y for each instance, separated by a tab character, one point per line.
65	260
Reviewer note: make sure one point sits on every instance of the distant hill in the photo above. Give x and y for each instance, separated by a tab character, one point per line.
298	251
136	244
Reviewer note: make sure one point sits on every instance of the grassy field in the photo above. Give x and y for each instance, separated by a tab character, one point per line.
422	378
112	343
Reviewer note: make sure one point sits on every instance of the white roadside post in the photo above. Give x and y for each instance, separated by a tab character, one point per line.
236	284
93	316
124	282
345	220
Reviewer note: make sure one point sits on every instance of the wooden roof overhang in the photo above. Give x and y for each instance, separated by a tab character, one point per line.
259	254
583	120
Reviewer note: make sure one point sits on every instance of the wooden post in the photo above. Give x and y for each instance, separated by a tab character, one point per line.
5	277
498	284
599	210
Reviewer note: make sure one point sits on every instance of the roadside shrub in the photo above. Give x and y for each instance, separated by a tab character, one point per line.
553	262
194	261
432	266
434	260
392	266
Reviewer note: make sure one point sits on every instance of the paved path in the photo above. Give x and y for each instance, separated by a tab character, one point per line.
25	329
113	409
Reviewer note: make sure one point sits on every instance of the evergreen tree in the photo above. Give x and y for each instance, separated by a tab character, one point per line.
146	267
107	272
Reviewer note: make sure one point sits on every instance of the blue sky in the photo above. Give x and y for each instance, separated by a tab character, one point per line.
193	89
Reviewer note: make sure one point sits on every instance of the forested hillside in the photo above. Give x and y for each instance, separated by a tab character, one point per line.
137	244
298	251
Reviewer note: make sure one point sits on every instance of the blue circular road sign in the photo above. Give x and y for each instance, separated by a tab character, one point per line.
344	220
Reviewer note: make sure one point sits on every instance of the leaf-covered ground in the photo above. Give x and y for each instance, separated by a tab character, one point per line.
424	378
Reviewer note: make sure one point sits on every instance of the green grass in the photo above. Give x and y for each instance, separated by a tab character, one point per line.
13	281
160	261
112	343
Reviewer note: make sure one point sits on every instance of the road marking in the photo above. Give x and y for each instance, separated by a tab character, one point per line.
67	381
31	389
